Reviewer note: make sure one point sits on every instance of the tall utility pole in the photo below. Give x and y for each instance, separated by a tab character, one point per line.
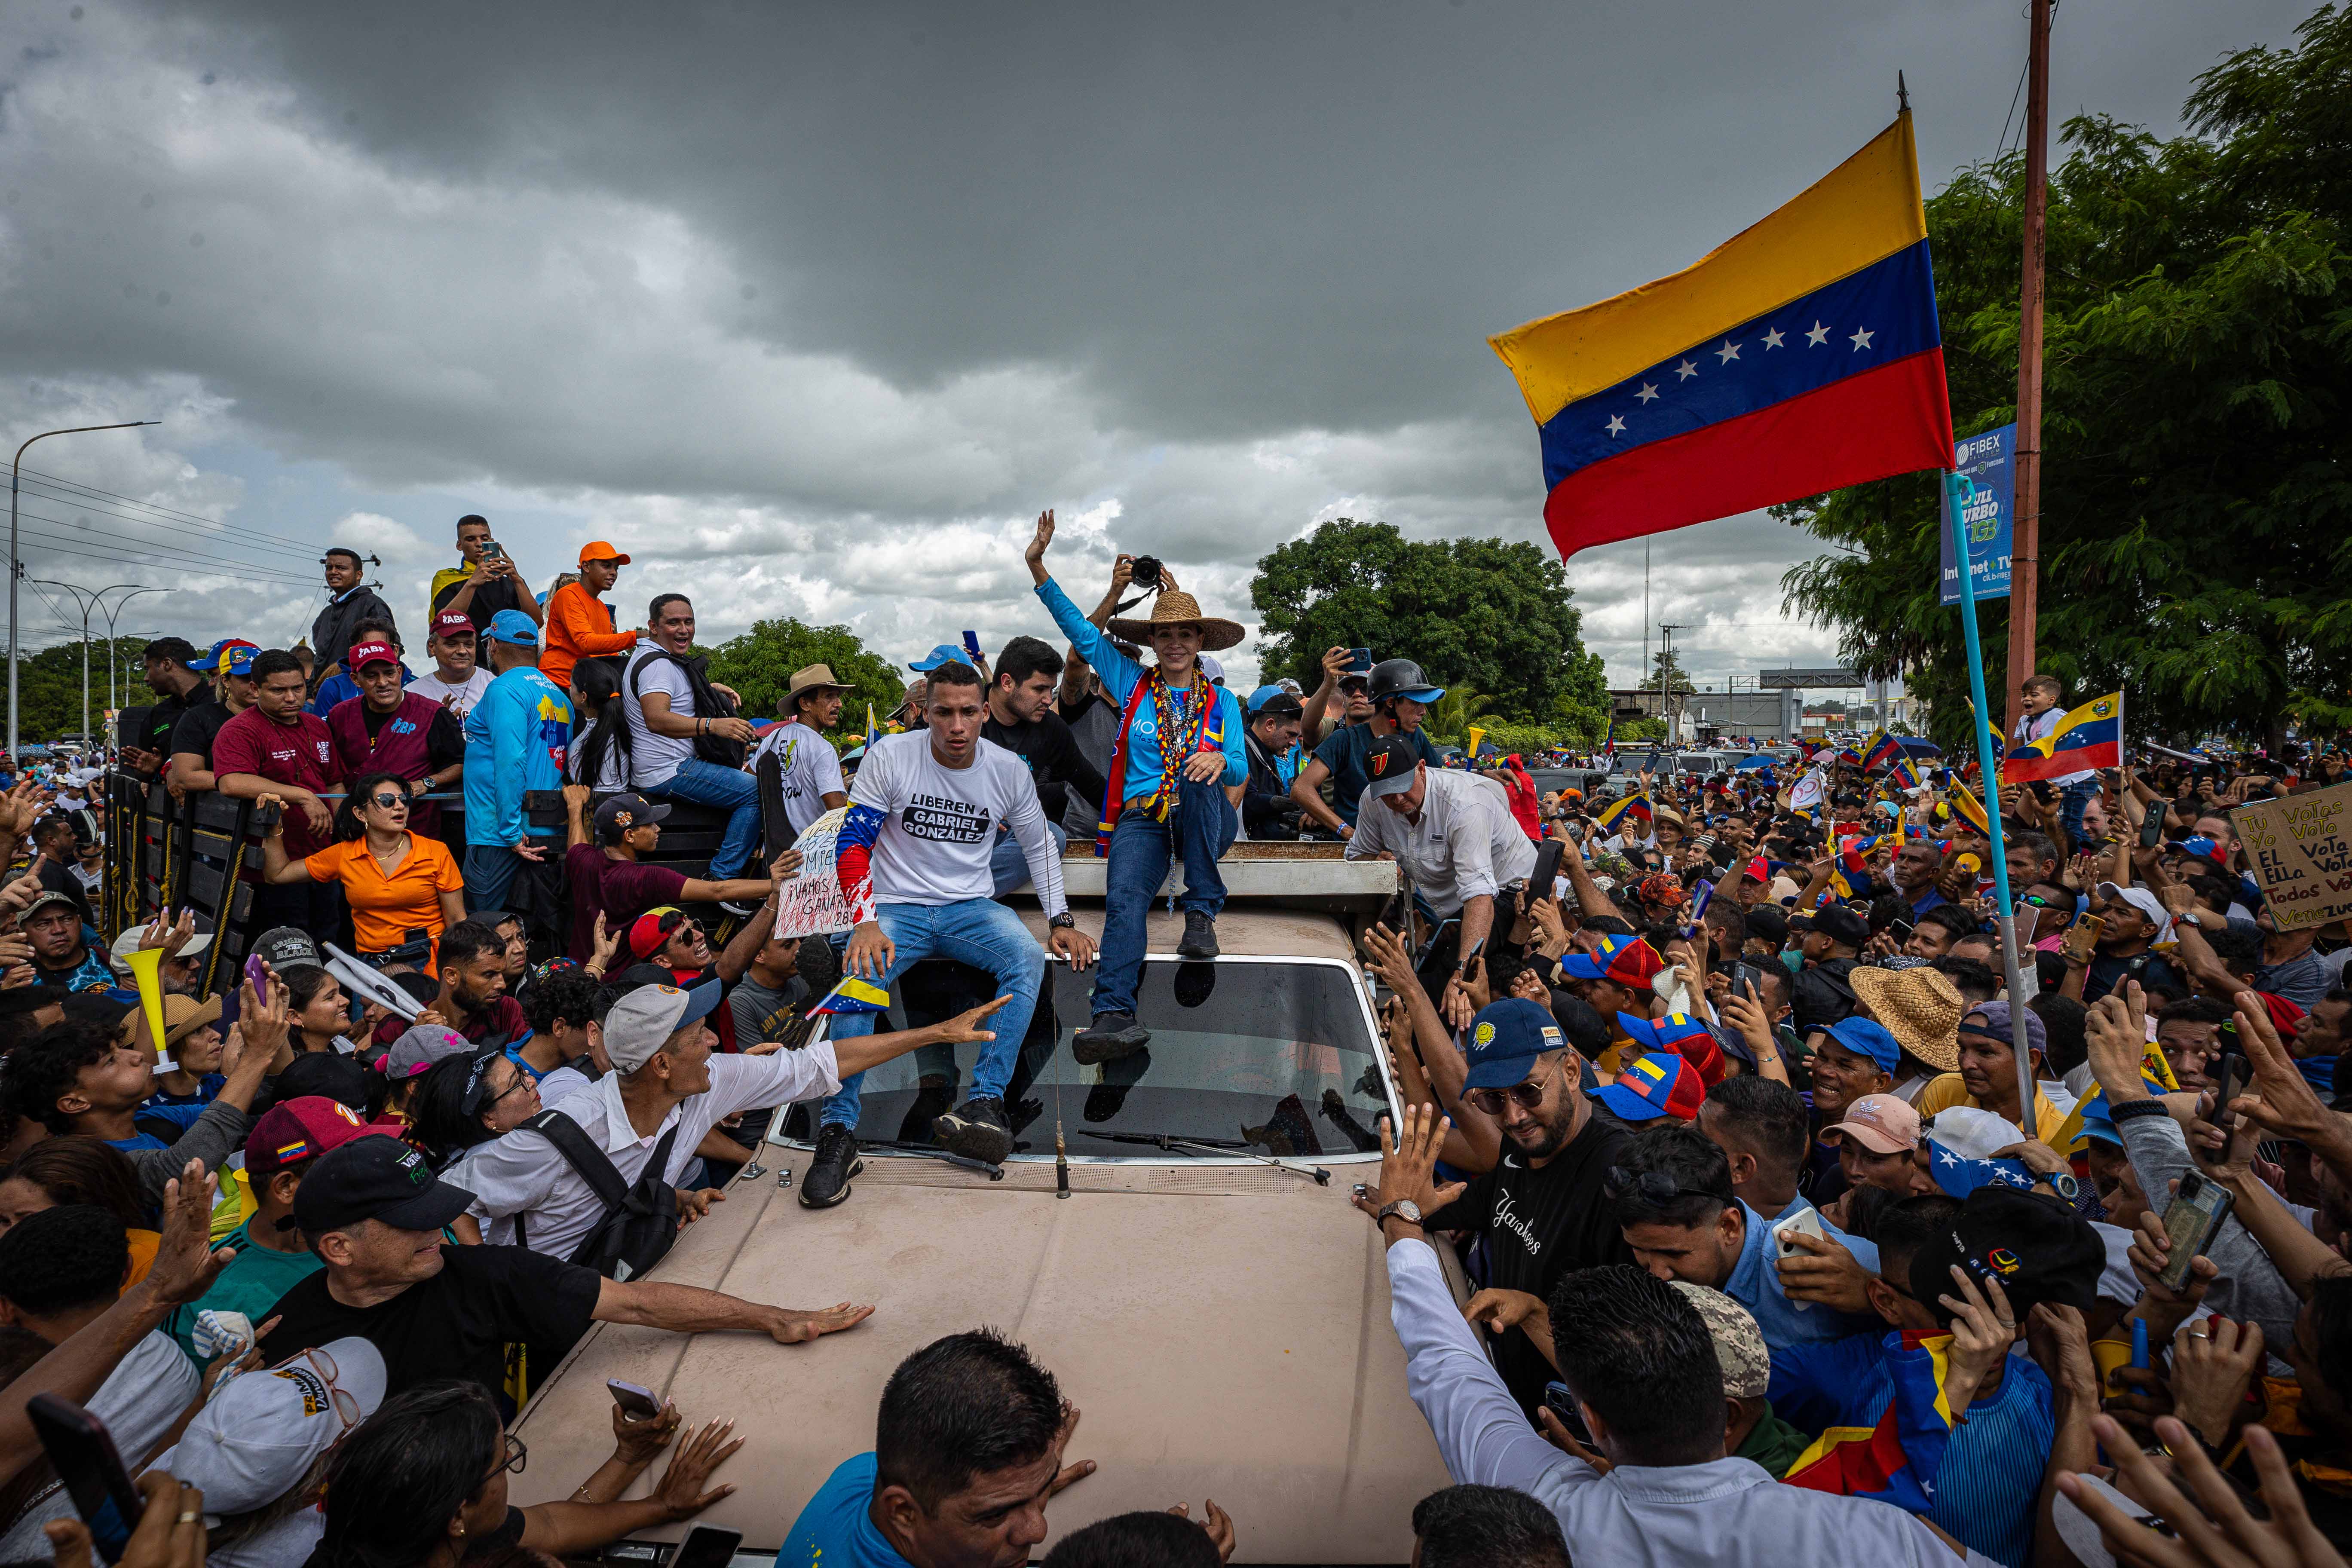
2025	542
111	700
15	563
1668	693
87	605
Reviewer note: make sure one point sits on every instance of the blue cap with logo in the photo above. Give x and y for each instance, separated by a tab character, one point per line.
1505	1036
513	626
1282	701
232	654
945	653
1867	1038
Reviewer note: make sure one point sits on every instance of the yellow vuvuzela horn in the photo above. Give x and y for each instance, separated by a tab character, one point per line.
146	968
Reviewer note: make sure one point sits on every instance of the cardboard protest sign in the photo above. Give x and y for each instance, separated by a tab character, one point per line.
2301	850
812	903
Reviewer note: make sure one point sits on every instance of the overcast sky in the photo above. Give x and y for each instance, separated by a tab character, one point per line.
810	309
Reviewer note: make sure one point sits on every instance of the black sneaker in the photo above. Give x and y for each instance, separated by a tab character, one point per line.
1200	936
976	1130
827	1182
1108	1038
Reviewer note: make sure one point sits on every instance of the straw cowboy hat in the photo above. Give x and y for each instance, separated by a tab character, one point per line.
1174	608
817	677
1920	1007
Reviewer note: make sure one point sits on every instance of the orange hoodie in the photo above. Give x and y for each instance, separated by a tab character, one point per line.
579	626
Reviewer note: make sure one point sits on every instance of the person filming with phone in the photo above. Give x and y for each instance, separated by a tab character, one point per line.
486	581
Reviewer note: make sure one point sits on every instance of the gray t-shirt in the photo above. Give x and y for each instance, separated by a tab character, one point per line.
1096	730
763	1013
654	758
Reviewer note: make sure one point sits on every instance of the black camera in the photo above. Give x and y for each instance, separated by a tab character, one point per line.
1145	571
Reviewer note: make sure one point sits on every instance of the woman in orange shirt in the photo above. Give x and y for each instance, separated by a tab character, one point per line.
394	880
579	622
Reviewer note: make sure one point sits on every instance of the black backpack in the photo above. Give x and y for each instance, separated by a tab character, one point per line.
640	1222
708	704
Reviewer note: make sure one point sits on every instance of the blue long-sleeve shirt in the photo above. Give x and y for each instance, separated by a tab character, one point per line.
1119	675
516	739
1988	1483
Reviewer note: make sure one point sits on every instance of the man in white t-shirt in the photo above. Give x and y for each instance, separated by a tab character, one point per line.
455	680
60	1270
812	769
923	815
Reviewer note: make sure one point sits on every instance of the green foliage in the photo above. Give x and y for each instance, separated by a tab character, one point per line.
760	664
1527	740
1486	613
1452	716
1632	729
1666	674
48	688
2197	478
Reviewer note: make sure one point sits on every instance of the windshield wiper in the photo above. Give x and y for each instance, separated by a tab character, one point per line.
933	1152
1205	1146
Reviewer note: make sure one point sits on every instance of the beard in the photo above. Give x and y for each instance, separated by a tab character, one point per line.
1544	1138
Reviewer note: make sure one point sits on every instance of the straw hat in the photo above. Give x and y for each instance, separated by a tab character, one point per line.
1920	1007
1174	608
815	678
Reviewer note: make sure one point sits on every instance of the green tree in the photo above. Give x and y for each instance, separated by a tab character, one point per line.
2198	461
760	664
1666	673
48	688
1488	612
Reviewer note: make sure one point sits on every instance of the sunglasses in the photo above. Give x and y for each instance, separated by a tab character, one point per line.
1653	1187
387	799
1525	1096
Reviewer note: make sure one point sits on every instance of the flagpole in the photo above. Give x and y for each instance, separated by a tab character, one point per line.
1990	763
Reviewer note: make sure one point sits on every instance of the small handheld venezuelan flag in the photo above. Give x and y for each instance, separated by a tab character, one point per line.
853	996
1634	807
1900	776
1883	749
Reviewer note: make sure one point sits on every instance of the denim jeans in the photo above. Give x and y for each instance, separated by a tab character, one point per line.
707	784
976	932
489	872
1010	866
1199	828
2071	802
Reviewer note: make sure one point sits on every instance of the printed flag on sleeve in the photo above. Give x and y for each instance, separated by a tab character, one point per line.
1801	355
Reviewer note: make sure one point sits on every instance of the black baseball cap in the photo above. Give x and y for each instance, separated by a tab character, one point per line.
375	1177
1836	921
1389	764
290	947
2037	1246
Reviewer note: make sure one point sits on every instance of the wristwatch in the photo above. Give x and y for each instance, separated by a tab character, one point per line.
2063	1184
1062	921
1404	1209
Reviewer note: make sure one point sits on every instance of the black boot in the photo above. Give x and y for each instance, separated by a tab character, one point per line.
1200	936
1108	1038
976	1130
827	1182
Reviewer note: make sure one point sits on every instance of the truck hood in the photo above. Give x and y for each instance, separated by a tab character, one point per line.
1223	1328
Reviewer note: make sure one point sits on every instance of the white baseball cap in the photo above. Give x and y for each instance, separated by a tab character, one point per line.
1972	1133
261	1431
642	1022
2146	902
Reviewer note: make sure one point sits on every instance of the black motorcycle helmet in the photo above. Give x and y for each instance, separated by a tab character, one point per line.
1401	677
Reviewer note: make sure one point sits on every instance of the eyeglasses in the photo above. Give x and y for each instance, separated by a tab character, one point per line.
1653	1187
517	1456
387	800
1525	1096
347	1407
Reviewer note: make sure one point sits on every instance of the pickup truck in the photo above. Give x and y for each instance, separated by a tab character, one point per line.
1204	1289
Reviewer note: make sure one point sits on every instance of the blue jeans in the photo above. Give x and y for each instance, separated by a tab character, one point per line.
1010	866
2071	802
976	932
489	873
707	784
1199	828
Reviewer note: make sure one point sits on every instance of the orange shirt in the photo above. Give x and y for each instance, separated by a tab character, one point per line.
383	908
579	626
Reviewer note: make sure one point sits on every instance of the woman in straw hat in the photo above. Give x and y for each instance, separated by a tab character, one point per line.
1174	776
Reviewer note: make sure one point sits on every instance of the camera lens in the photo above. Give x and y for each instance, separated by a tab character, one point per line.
1146	572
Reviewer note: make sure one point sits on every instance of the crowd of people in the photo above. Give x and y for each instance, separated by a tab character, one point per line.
1777	1250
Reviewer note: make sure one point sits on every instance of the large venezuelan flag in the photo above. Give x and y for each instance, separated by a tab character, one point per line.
2090	737
1799	356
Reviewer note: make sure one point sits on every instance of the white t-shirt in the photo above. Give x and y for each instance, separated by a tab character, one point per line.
610	779
654	758
460	699
286	1544
938	823
139	1401
560	1084
812	771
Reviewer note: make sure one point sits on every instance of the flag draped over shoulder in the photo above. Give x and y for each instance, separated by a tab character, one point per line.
1894	1461
1801	355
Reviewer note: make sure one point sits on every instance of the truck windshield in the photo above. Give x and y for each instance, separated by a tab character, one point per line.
1275	1058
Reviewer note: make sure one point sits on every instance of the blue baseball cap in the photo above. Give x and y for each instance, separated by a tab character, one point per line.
945	653
2099	1123
239	654
1265	694
1865	1039
513	626
1505	1036
1659	1085
1958	1175
1592	966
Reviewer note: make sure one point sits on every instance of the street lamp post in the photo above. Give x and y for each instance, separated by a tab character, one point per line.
15	566
87	605
112	701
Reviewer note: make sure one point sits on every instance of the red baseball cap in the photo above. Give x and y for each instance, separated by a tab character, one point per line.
296	1130
1658	1085
653	928
373	650
448	621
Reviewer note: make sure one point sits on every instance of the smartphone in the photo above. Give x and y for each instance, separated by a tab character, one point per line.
2151	831
1471	957
971	644
1807	1222
1902	929
1360	661
1745	979
641	1403
2190	1222
706	1547
2084	937
82	1452
257	972
2228	1073
492	550
1562	1403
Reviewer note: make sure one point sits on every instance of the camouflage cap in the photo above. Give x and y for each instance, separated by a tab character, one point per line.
1739	1342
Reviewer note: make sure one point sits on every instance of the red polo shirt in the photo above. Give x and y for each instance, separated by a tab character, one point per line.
301	753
